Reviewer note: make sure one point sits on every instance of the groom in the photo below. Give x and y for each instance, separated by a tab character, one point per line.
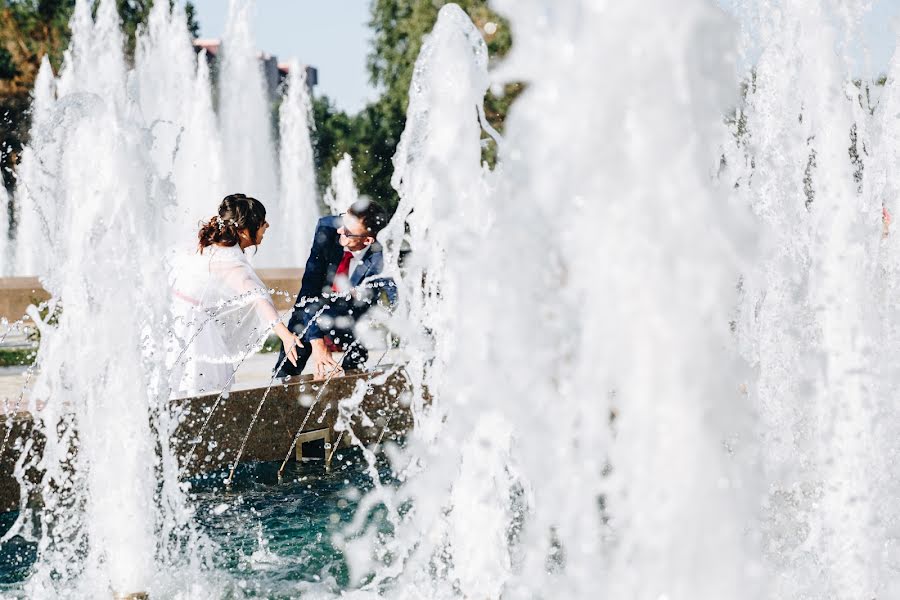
344	255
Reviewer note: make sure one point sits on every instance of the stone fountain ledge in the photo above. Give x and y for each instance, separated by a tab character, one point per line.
285	409
288	404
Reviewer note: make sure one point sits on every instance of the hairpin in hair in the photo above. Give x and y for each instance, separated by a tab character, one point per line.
222	223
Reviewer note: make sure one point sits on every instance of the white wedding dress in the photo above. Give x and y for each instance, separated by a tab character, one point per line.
222	313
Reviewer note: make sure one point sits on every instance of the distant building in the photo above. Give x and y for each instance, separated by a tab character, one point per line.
312	74
273	71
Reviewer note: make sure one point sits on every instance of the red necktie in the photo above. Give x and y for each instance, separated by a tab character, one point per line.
340	276
343	269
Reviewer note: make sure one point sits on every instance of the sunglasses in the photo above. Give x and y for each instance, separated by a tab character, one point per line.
350	235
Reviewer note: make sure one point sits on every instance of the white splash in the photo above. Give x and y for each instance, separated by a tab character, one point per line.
577	288
342	192
106	523
818	317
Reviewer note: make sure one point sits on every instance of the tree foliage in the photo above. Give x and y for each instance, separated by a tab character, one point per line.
399	28
366	137
371	137
29	30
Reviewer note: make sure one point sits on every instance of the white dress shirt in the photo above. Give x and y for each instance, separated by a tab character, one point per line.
357	258
341	282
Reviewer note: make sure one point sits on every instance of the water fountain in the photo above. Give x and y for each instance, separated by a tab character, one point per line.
650	353
573	313
28	258
817	320
244	114
186	141
101	263
645	459
113	511
201	153
298	182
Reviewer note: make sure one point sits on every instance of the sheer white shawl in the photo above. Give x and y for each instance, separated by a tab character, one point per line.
222	312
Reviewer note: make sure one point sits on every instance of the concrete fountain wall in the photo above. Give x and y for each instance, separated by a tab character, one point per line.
382	415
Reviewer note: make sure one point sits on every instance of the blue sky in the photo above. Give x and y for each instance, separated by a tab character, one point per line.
333	35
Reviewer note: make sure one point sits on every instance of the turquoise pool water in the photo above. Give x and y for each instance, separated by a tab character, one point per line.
274	538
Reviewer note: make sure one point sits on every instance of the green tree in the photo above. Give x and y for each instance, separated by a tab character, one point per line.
371	137
29	30
399	27
364	137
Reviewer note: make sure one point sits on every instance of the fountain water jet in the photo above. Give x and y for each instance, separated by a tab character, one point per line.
186	144
200	165
342	192
105	523
201	155
816	318
245	117
441	182
34	178
576	287
299	206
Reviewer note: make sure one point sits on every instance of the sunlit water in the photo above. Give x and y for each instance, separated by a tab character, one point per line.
652	353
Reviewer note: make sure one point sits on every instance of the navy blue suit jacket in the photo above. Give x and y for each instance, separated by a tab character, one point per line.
316	288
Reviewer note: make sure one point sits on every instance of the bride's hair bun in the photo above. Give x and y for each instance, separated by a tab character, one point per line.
236	212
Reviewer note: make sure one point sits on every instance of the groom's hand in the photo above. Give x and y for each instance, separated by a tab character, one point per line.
323	363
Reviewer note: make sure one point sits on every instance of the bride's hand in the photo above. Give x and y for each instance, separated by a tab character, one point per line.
291	342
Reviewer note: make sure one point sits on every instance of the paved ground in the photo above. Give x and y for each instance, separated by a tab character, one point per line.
12	384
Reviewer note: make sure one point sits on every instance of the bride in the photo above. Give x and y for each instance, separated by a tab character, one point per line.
222	311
